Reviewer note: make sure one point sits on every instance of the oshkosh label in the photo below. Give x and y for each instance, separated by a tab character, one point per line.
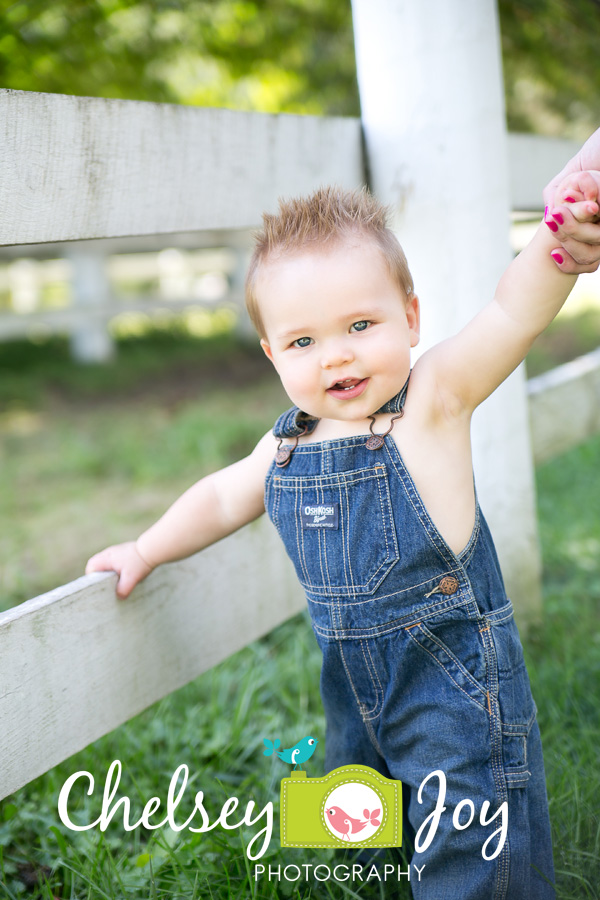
320	516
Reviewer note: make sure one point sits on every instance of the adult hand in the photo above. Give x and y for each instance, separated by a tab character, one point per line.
578	230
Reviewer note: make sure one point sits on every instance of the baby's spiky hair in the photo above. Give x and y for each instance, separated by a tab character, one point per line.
328	215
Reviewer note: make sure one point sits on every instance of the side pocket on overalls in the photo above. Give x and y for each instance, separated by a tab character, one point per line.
517	709
454	642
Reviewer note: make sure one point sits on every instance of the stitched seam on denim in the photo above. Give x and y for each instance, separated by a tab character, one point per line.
518	780
354	476
373	737
453	657
465	555
410	489
449	674
429	526
358	703
414	587
322	539
275	493
389	525
496	756
300	531
496	619
364	712
373	675
522	729
297	484
366	721
346	541
378	630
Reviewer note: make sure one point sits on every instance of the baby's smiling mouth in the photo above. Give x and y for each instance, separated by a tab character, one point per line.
346	385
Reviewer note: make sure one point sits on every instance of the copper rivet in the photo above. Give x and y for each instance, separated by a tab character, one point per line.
375	442
448	585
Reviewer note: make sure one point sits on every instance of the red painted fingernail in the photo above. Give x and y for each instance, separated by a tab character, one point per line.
558	218
557	257
552	226
570	199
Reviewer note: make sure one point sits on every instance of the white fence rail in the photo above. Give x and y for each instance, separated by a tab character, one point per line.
564	406
77	662
80	167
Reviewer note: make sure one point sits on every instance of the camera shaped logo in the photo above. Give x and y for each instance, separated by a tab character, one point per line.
353	805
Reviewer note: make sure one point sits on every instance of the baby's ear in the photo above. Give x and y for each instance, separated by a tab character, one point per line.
413	316
266	347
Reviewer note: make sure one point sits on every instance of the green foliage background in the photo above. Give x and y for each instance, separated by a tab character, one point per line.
280	55
274	55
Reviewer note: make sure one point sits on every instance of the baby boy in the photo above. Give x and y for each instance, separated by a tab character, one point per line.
368	480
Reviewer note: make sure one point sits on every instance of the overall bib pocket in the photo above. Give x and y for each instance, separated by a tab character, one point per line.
338	529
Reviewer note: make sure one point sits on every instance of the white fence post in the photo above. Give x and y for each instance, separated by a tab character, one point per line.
24	285
431	93
90	340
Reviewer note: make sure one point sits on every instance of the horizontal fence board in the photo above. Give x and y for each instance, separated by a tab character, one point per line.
76	662
564	406
533	160
82	167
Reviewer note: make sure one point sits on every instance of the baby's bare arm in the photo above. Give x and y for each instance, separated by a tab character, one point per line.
211	509
469	367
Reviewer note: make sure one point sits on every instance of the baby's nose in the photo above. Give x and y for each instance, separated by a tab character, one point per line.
336	353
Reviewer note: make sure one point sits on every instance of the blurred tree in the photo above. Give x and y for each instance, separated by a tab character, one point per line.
551	60
280	55
273	55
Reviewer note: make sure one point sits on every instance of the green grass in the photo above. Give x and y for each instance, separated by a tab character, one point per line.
101	451
124	442
564	663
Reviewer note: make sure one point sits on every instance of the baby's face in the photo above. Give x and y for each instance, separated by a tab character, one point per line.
338	329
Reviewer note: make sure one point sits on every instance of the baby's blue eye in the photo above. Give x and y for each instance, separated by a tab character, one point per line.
302	342
359	326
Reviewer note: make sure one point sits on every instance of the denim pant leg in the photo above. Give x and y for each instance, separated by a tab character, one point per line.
438	714
528	808
348	739
394	705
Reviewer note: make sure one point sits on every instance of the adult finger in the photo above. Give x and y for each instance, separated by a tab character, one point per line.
578	221
568	264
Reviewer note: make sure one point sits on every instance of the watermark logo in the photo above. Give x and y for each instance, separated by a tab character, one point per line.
296	755
350	805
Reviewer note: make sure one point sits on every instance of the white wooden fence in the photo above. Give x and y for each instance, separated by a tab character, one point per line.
77	662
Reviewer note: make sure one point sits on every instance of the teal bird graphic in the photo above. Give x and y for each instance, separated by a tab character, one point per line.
297	754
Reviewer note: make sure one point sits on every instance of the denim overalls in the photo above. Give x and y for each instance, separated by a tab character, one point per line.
422	663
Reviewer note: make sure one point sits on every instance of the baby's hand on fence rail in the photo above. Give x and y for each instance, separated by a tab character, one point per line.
573	215
125	560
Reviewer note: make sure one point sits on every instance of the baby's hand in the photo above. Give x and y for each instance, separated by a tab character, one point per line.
574	216
123	559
